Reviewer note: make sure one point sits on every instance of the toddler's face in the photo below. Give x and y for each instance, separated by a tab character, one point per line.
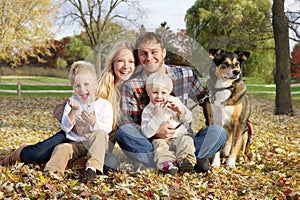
159	95
84	87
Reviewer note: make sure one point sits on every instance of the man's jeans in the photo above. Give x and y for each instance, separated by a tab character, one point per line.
138	148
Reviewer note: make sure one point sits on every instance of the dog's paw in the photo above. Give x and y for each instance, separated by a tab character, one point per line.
216	162
230	162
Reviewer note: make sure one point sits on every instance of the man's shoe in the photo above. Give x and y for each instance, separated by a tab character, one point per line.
202	165
88	176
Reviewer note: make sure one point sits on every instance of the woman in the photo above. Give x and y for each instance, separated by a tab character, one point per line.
120	66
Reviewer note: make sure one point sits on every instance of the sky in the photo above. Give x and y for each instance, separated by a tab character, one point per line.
171	11
158	11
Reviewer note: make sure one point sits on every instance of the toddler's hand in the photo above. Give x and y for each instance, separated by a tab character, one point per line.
158	110
173	105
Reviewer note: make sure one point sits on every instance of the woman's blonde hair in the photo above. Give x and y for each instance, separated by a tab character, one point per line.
107	87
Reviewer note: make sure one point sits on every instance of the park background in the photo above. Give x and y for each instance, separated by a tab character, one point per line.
34	61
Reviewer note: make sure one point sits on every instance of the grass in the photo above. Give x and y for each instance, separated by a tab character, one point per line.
53	80
34	79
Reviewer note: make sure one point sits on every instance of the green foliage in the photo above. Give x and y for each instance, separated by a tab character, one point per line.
235	25
61	63
78	49
260	64
229	24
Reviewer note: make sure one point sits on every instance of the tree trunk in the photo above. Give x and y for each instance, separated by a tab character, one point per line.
283	102
97	57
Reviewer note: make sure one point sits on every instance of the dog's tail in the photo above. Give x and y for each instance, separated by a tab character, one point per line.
248	130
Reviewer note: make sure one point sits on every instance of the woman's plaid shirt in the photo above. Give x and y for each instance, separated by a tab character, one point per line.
186	84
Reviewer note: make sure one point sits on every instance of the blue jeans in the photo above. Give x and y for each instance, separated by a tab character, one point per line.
207	142
41	152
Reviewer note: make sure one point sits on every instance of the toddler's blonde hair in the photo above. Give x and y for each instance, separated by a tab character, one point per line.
159	80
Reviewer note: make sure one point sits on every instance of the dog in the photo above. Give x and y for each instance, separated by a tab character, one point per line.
228	105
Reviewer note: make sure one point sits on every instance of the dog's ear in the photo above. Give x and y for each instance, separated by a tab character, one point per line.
242	55
215	53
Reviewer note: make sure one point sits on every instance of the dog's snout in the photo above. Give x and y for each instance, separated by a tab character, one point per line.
236	72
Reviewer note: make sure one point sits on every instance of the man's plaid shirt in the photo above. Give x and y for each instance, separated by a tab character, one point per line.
186	84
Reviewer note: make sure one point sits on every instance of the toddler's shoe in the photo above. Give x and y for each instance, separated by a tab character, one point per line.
170	168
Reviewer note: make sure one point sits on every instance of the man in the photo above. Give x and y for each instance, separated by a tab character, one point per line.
151	53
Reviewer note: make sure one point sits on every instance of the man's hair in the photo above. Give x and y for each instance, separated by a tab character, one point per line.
159	80
80	67
149	37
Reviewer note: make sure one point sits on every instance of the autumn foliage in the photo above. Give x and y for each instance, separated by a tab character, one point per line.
272	170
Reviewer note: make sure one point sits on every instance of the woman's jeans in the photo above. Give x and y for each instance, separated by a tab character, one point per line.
41	152
138	148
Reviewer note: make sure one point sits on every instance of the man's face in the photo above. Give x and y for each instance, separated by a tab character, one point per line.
151	57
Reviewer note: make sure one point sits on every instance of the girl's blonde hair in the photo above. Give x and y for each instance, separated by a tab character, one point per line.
107	87
80	67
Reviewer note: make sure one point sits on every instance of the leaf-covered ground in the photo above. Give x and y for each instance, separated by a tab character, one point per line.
273	171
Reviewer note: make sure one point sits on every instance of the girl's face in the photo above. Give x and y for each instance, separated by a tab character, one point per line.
124	65
151	57
159	95
84	87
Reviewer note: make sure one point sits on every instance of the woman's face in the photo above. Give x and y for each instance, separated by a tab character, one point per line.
124	65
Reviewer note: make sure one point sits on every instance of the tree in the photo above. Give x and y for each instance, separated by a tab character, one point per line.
293	15
295	64
283	70
25	24
230	24
100	20
235	25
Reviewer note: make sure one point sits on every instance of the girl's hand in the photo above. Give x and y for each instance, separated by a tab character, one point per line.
73	104
88	118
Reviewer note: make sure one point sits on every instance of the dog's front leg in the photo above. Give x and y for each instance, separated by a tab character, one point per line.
236	147
228	144
216	162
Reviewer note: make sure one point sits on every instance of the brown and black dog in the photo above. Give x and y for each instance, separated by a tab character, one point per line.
228	103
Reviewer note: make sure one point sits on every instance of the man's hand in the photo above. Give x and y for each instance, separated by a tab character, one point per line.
165	131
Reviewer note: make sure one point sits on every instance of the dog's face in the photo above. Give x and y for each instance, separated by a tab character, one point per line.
228	64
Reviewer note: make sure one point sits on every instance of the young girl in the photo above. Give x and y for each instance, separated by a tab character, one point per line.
87	121
119	67
178	152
